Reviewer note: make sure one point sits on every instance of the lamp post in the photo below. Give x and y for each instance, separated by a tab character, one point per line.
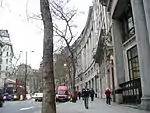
26	71
113	80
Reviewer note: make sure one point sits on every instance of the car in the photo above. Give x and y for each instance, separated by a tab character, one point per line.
9	97
38	96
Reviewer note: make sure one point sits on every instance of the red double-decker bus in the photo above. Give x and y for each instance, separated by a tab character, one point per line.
13	91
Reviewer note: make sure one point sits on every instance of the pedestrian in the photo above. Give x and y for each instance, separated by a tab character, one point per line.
85	94
92	93
108	96
79	95
76	96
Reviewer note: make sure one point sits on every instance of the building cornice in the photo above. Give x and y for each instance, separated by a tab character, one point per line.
87	23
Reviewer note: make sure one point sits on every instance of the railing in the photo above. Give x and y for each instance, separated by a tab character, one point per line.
132	92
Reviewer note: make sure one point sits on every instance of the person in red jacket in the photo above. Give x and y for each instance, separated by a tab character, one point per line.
108	95
76	95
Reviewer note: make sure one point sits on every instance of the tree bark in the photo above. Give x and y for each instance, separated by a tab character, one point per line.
73	64
74	74
48	105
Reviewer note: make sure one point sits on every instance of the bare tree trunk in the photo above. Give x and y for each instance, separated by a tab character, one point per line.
73	64
74	74
48	105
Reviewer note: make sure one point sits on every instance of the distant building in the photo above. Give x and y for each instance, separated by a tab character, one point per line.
6	55
20	75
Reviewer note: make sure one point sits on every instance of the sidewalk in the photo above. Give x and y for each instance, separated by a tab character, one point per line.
98	106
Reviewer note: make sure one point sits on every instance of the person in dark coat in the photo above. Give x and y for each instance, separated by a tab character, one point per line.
79	95
85	95
92	93
108	96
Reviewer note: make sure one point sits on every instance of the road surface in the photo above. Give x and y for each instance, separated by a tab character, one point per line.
28	106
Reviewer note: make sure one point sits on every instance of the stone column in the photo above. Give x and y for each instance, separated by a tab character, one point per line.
146	4
94	86
118	51
143	50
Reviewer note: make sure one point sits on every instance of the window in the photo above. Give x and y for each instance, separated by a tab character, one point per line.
7	54
127	23
10	60
133	63
6	68
6	61
62	92
1	53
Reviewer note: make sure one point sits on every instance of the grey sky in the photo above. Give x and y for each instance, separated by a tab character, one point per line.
27	35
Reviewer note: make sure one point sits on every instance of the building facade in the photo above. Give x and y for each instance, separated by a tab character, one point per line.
87	68
94	50
119	57
130	32
20	75
6	54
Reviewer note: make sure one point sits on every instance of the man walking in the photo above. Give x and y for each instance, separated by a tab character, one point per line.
79	95
92	93
85	95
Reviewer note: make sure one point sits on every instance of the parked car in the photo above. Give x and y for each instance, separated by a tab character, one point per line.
38	96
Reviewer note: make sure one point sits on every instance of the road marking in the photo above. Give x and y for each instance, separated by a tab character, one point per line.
26	108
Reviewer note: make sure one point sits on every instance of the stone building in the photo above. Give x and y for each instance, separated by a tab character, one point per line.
94	50
87	69
131	33
6	56
20	75
119	57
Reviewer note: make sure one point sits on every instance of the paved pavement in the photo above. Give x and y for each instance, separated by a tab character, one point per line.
98	106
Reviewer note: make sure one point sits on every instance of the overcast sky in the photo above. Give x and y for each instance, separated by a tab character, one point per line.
26	35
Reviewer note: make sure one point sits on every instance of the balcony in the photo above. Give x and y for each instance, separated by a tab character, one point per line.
104	2
107	3
94	51
98	52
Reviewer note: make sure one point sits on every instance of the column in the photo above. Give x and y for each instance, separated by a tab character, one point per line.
92	83
89	84
146	4
101	87
143	50
96	88
118	51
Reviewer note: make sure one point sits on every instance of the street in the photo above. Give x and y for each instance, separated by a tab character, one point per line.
98	106
28	106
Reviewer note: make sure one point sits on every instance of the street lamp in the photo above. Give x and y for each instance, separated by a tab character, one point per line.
26	70
65	65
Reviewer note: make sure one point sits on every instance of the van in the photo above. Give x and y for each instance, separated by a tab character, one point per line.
62	94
